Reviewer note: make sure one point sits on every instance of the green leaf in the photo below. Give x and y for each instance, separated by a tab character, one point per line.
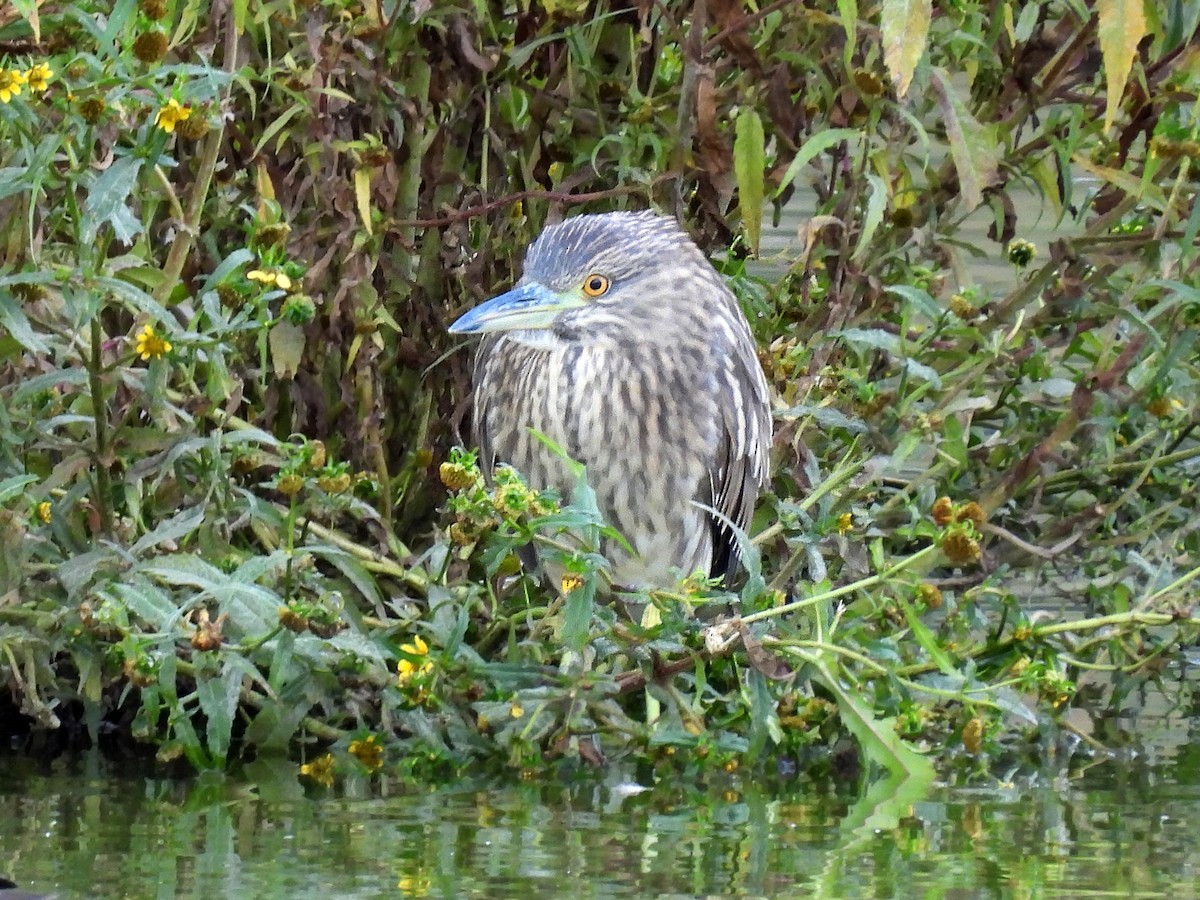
14	321
928	641
954	442
148	602
362	197
1132	185
848	13
577	619
877	738
1045	175
106	200
905	28
272	129
137	298
824	416
28	10
973	147
764	716
1122	27
876	204
180	525
813	147
874	338
15	486
749	163
218	698
229	264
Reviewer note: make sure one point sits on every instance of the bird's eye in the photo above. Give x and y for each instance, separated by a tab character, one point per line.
596	285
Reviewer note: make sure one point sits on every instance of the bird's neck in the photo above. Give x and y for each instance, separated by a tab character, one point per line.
537	338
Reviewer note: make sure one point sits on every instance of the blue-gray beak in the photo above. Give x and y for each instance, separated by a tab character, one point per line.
525	306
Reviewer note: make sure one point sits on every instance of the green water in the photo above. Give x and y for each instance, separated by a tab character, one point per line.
1096	827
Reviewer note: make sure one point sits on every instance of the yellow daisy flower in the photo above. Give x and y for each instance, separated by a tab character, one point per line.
149	344
270	278
320	770
171	115
38	78
368	751
11	82
407	669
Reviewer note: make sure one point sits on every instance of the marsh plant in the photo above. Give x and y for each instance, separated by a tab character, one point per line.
233	520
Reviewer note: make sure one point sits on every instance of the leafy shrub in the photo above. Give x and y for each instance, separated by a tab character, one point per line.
232	242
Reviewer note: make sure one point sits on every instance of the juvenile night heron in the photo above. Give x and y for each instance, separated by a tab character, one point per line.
622	344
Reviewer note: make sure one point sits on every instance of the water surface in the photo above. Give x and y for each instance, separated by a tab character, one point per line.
1099	826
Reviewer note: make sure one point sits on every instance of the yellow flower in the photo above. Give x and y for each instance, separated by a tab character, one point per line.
38	78
368	751
845	523
517	709
320	770
570	582
171	115
406	669
10	84
278	279
290	484
44	512
150	344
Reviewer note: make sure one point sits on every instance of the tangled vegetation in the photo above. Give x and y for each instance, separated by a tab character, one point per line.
231	518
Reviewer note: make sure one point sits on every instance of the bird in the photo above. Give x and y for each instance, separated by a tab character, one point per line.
624	346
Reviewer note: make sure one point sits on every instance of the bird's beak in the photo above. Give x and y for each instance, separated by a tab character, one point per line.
525	306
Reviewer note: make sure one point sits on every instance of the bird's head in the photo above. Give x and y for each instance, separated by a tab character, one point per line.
598	273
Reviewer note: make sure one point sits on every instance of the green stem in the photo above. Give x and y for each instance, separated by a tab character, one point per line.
100	418
862	585
190	227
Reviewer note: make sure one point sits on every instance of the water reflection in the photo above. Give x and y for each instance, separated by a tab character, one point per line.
1118	827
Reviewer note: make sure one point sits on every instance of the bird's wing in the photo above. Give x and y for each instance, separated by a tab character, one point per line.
743	453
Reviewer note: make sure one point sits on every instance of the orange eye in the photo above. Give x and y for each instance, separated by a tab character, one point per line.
596	285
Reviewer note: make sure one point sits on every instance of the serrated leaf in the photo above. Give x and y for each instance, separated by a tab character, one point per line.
14	321
107	196
905	28
148	602
179	525
749	162
1122	27
973	146
218	698
287	348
